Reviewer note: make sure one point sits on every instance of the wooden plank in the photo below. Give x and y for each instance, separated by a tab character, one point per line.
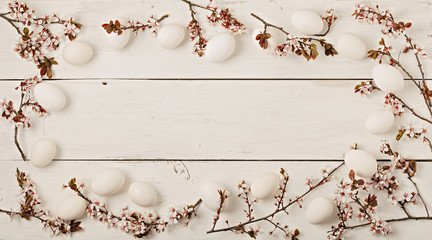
296	119
174	189
145	59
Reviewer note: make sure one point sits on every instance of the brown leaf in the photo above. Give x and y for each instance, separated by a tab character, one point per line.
352	175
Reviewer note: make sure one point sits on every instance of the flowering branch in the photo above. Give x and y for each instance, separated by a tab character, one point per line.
29	202
302	46
136	26
392	27
35	45
329	18
350	204
220	16
139	224
35	42
280	207
18	116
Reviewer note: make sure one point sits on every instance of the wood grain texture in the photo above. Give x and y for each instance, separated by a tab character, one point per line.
211	120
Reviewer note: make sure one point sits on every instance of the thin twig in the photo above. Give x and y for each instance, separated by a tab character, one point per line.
390	220
420	196
412	110
18	145
11	22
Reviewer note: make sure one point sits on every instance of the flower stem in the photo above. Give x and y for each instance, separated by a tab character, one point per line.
18	145
420	196
390	220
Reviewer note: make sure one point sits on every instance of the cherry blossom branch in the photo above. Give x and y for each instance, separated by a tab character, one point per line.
34	45
302	46
220	16
384	179
392	27
16	115
408	167
29	204
390	220
279	208
114	26
139	224
410	109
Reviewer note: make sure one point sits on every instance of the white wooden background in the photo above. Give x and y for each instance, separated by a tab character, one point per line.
231	121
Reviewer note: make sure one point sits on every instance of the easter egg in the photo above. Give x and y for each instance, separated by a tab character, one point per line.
49	96
43	152
71	207
380	121
388	78
211	196
363	163
351	46
220	47
108	182
170	36
142	194
307	22
265	185
77	53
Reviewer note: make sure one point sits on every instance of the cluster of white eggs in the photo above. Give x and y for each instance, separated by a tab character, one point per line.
107	183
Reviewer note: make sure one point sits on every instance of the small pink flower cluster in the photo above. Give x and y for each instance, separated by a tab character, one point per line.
29	202
226	20
351	205
414	47
330	17
244	192
15	117
223	17
35	47
292	44
410	131
139	224
151	23
369	14
379	227
195	34
365	87
396	106
19	117
279	197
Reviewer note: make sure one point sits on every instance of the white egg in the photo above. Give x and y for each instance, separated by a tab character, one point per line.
43	152
108	182
115	41
265	185
77	53
220	47
388	78
351	46
142	194
210	195
380	121
320	210
307	22
363	163
170	35
273	41
71	207
49	96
